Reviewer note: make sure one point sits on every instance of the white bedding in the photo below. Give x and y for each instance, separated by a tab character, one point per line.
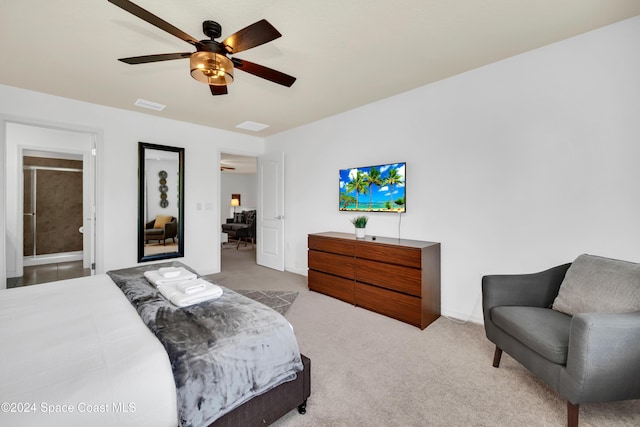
76	353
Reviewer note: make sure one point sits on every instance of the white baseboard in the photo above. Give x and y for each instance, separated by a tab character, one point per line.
52	258
296	271
462	317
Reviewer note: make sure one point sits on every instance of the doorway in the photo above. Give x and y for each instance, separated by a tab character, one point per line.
238	196
50	221
52	208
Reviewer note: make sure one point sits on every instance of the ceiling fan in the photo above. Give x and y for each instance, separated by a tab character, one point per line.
211	64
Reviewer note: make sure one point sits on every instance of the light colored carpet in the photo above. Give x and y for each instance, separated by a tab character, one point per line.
243	245
158	248
370	370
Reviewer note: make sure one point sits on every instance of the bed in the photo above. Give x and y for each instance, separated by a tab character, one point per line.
79	352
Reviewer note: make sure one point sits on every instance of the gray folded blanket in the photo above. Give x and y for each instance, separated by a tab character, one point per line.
222	352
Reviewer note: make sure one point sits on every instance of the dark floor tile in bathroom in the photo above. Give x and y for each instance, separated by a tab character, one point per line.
35	274
40	274
71	270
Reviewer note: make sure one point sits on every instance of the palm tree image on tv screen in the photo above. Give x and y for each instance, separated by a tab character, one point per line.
378	188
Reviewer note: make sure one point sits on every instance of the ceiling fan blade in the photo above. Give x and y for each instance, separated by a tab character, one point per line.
264	72
152	19
218	90
254	35
154	58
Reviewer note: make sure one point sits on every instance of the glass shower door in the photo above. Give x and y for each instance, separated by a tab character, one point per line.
29	227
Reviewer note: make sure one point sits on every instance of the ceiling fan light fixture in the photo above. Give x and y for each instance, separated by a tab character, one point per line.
211	68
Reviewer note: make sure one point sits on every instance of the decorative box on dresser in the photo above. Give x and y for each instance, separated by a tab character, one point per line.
399	278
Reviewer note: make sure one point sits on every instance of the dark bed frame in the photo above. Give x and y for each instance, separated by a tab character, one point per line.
268	407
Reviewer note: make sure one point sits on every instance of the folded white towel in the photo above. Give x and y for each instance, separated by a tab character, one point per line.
190	292
189	287
169	272
156	277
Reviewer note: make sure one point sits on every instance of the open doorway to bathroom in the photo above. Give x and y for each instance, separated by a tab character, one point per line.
238	202
50	220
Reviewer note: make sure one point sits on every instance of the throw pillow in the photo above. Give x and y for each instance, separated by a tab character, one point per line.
250	216
595	284
161	220
237	217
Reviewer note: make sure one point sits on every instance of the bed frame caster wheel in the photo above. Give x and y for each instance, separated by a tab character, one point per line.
302	409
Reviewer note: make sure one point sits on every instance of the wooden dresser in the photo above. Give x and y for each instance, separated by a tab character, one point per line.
399	278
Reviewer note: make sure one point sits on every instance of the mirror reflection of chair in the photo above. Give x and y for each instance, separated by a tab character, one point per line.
160	193
161	229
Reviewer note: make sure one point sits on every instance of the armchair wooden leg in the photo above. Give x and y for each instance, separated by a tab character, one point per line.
572	414
496	357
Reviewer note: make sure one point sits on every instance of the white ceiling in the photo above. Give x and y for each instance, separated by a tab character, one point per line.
345	53
234	164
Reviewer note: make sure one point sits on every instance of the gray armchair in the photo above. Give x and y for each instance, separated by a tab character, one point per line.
584	356
167	231
247	233
241	227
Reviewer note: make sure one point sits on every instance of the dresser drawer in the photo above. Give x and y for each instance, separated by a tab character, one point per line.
327	244
399	306
400	255
338	265
394	277
334	286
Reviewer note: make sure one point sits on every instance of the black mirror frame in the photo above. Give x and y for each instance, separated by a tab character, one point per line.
142	146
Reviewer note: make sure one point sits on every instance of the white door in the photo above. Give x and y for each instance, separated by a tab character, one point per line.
89	206
270	227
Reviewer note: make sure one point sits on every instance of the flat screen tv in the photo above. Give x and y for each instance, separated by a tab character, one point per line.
379	188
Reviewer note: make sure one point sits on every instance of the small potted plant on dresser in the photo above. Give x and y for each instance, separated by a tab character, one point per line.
360	222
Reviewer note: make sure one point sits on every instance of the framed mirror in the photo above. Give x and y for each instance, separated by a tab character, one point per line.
160	202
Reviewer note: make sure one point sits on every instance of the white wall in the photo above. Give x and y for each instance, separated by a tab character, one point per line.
119	132
514	167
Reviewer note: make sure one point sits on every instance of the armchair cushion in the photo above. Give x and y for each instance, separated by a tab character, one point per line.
250	217
153	232
599	285
550	336
233	227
